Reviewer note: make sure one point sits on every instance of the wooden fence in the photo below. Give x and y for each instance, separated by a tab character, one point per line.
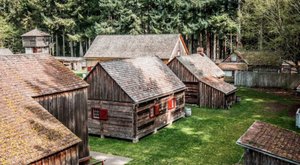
266	80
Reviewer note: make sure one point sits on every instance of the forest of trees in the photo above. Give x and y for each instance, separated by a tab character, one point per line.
220	26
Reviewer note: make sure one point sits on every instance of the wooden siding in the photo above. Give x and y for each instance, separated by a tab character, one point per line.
70	108
103	87
255	158
192	92
119	123
65	157
212	98
181	72
130	121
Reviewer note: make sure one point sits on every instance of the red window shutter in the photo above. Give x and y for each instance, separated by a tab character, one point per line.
89	68
103	114
156	109
170	104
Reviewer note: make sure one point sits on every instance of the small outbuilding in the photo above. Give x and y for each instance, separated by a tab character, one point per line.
204	81
31	135
268	144
288	66
52	85
5	51
233	63
109	47
131	98
36	41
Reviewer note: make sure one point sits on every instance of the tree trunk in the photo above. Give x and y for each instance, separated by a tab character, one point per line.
71	48
207	43
260	39
63	45
225	48
200	40
230	43
56	45
80	49
214	47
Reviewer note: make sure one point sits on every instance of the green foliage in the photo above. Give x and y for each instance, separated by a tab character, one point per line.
208	137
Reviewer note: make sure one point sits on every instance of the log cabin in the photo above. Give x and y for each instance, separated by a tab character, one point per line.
231	64
5	51
204	81
264	143
36	41
109	47
29	134
131	98
52	85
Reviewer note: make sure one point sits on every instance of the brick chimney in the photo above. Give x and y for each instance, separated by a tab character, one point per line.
200	51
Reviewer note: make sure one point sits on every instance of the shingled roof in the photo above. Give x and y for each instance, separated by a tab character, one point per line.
35	33
233	66
131	46
206	71
38	74
143	78
5	51
272	140
28	132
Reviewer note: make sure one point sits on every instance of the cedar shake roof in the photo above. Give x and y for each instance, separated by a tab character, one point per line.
28	132
5	51
206	71
272	140
200	66
218	84
38	74
262	58
35	33
132	46
233	66
143	78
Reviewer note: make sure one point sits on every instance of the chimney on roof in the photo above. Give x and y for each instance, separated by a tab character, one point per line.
200	51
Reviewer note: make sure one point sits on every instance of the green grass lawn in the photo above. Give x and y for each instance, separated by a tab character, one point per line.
208	137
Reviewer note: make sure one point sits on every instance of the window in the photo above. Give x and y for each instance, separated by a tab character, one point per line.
100	114
233	58
228	73
171	103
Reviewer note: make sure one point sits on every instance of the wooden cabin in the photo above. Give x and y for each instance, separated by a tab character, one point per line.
268	144
109	47
131	98
52	85
36	41
233	63
73	63
204	81
5	51
29	134
288	67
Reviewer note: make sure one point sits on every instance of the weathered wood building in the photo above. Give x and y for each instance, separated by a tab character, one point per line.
36	41
52	85
268	144
31	135
288	67
233	63
108	47
73	63
131	98
5	51
204	81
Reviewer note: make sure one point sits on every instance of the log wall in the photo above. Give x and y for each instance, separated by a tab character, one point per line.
65	157
192	92
255	158
70	108
119	123
266	80
181	72
131	121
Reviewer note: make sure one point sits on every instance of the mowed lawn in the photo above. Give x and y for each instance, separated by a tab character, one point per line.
209	136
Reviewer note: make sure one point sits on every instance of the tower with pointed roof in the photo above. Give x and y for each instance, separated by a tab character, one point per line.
36	41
